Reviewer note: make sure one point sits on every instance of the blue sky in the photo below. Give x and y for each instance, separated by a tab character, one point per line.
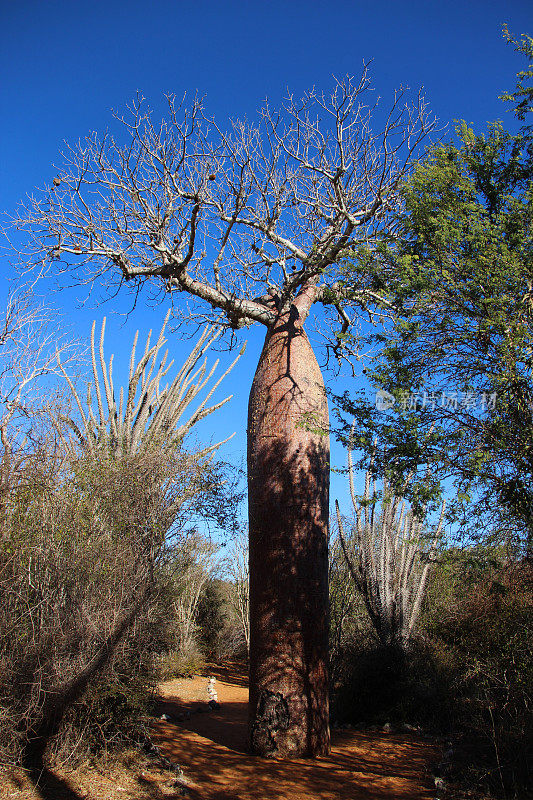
64	65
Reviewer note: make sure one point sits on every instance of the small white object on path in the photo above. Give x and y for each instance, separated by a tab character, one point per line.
212	693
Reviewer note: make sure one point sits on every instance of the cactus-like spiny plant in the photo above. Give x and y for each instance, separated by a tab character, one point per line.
148	415
389	554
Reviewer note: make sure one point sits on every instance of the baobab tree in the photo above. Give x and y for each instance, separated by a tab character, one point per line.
252	223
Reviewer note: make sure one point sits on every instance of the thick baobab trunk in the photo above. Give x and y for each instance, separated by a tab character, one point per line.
288	485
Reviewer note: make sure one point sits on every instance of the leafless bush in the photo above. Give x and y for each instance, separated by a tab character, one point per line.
479	628
347	614
80	575
238	571
192	567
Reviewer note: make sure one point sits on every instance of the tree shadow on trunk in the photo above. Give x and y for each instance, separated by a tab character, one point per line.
289	599
288	505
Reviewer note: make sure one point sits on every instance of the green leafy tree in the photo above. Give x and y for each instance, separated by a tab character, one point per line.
456	364
522	97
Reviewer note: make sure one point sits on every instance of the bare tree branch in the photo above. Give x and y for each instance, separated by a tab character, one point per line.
227	215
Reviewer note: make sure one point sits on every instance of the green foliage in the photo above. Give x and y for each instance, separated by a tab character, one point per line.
458	358
179	663
522	96
211	616
457	277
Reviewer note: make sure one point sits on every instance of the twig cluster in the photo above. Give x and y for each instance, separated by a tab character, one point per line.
240	219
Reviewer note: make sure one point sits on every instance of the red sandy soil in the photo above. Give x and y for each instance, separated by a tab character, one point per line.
211	749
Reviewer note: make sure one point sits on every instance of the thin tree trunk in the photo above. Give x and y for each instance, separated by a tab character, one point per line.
288	485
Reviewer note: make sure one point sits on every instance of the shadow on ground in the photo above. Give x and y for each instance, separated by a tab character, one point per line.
211	748
50	786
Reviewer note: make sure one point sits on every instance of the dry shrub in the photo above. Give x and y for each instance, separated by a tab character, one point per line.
483	642
469	673
92	509
377	683
83	591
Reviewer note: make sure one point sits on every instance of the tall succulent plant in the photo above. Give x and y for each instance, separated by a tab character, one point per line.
390	554
147	414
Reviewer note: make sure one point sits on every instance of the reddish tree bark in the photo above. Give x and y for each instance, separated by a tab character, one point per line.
288	492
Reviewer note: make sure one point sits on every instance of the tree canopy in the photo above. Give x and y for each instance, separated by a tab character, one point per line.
455	368
240	220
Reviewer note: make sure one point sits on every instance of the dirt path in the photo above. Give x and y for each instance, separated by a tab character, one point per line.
211	748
